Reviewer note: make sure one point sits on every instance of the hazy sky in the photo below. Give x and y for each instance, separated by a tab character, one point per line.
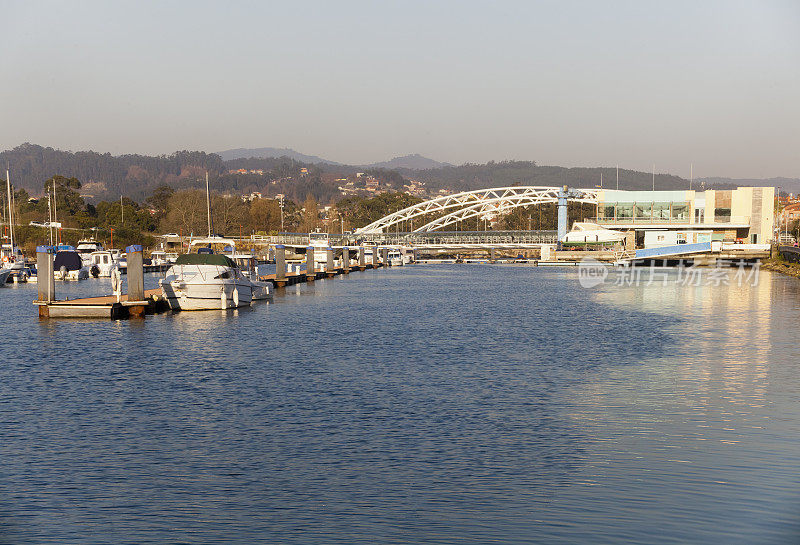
716	84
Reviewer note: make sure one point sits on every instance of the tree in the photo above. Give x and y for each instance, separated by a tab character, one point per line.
265	215
310	219
186	213
159	199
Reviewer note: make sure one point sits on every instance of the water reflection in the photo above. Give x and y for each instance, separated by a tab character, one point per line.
438	403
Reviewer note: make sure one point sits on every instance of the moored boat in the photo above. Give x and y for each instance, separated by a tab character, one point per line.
103	263
68	265
206	281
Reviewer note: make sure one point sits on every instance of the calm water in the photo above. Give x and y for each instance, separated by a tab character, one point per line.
425	404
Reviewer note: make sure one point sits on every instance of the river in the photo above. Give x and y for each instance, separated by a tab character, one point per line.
422	404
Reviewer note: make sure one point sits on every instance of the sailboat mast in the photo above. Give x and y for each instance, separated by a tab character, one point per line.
10	212
50	215
208	205
55	206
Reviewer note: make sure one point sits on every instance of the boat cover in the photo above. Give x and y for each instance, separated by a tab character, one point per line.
69	259
205	259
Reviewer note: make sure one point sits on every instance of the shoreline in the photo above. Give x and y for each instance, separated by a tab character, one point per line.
781	266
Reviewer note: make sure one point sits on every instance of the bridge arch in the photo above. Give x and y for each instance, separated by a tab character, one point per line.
469	204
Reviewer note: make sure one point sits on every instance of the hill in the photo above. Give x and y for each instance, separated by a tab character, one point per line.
106	177
410	162
506	173
788	185
270	153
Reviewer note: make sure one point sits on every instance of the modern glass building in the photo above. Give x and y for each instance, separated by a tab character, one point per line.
744	214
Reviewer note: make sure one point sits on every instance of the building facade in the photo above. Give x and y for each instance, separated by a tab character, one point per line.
744	214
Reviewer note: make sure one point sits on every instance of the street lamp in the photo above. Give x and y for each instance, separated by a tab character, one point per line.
280	204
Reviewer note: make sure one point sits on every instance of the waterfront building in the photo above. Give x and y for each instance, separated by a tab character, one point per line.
662	218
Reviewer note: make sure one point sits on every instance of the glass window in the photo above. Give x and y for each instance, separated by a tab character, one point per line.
722	215
661	211
680	212
643	210
607	211
624	211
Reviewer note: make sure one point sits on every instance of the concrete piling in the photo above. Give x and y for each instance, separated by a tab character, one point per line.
136	281
280	265
311	272
46	284
376	258
385	257
362	259
346	260
330	267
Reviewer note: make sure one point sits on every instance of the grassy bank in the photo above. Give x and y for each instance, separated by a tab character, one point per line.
776	264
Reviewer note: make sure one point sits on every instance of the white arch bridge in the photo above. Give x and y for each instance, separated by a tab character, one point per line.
482	203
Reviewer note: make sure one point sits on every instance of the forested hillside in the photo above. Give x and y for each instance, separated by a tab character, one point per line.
106	177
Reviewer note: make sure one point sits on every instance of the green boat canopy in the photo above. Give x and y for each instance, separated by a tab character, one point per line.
205	259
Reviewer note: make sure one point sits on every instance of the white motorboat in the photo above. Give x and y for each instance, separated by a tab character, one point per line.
86	248
158	257
103	263
248	264
584	233
395	258
206	281
67	264
320	242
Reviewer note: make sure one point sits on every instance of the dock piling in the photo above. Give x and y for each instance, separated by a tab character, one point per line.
346	260
362	259
330	267
46	284
136	281
311	273
385	257
376	258
280	265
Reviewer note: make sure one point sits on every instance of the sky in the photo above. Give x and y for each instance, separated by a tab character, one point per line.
715	85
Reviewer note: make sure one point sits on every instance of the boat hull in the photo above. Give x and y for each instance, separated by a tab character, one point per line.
206	296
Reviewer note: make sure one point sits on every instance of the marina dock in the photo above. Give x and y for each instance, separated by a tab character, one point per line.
137	303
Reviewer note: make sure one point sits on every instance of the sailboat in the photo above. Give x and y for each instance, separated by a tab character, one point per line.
13	259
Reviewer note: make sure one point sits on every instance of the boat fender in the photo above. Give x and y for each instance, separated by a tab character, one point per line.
236	298
223	299
63	271
95	270
115	281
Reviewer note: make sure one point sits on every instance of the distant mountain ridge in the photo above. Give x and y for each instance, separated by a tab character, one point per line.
271	153
790	185
414	161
